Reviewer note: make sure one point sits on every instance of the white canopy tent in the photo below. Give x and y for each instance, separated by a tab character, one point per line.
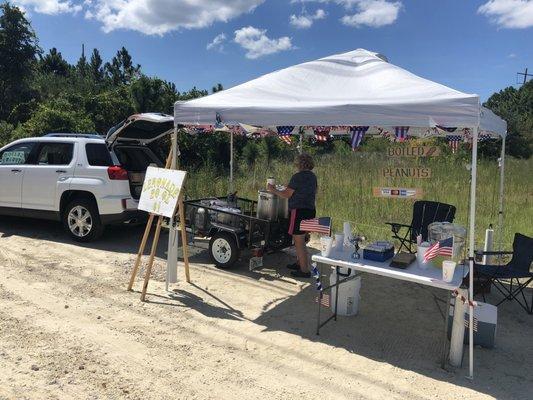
357	88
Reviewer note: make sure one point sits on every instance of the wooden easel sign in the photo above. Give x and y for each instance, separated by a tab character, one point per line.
161	191
162	196
397	193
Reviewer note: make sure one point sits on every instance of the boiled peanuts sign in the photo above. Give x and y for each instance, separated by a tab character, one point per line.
413	151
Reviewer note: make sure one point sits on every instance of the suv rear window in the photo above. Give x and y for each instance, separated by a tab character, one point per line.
55	153
98	155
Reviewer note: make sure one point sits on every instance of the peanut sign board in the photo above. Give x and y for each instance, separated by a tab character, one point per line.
406	172
413	151
161	191
397	193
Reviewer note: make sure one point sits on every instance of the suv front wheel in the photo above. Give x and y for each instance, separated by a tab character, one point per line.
82	220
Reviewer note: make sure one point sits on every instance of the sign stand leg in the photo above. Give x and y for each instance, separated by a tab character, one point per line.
141	251
184	243
151	260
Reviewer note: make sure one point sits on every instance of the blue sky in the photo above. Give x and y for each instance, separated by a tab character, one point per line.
473	46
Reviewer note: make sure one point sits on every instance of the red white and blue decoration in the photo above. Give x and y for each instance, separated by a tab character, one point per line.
453	141
440	247
317	225
316	275
401	133
358	133
322	133
284	133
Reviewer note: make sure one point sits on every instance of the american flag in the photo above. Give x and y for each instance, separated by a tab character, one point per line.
401	132
325	300
322	133
358	133
284	133
453	141
441	247
317	225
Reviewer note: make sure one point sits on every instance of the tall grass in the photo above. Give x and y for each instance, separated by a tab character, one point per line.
346	182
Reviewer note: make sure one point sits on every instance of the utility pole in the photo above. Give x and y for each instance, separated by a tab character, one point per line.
526	76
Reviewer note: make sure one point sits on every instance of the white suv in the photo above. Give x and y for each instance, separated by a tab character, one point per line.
85	181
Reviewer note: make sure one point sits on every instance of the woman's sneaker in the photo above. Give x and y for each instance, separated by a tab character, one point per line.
300	274
294	266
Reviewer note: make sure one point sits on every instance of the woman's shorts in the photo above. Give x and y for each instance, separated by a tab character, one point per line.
298	215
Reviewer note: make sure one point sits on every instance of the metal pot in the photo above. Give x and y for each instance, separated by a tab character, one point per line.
267	205
283	207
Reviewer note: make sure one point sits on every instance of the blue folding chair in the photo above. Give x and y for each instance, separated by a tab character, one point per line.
517	273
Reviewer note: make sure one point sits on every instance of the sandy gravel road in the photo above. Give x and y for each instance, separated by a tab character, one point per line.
70	330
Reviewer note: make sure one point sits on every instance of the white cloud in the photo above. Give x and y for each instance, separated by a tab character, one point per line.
49	6
258	44
509	13
373	13
217	43
157	17
511	55
305	20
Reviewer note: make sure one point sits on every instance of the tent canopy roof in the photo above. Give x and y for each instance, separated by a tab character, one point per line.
354	88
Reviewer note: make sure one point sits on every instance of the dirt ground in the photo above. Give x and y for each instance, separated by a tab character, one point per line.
70	330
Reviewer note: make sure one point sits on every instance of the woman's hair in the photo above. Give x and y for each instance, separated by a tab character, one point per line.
304	162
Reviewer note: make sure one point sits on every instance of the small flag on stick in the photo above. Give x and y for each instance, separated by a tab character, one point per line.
440	247
317	225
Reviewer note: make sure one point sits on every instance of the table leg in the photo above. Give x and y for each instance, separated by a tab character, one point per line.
445	336
319	302
336	291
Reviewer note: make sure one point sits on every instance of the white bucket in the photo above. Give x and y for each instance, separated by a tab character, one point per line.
348	295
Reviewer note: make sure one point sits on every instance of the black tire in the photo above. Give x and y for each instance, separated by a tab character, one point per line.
223	250
82	233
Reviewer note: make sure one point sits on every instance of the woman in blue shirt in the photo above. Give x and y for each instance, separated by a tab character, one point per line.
301	192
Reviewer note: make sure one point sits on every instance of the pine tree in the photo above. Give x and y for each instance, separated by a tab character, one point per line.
54	63
95	67
18	58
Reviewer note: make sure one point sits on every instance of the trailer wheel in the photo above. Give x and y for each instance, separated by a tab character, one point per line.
223	249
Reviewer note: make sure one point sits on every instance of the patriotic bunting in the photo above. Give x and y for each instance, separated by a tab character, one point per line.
358	133
401	133
218	121
316	275
322	133
453	141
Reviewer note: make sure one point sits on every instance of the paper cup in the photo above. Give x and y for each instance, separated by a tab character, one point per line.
271	181
448	269
420	253
339	241
325	245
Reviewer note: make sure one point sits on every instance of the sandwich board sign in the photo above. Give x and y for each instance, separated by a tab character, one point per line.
397	193
161	191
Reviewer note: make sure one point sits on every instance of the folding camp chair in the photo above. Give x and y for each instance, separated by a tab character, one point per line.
424	213
518	268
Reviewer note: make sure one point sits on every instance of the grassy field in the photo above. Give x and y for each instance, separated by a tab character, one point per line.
345	190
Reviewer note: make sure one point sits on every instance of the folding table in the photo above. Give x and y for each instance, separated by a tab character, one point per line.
429	276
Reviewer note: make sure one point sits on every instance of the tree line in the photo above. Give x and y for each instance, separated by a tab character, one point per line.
41	92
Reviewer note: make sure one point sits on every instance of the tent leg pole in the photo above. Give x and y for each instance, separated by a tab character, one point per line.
172	249
472	233
500	210
231	163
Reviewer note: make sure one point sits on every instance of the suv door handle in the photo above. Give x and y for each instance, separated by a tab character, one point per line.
61	171
16	171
